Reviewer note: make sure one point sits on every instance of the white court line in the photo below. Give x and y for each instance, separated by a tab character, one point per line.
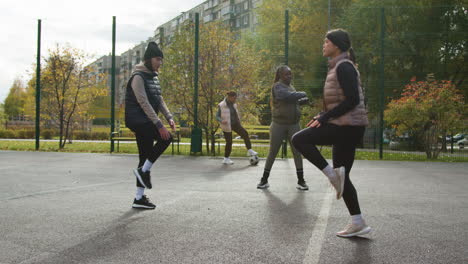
312	255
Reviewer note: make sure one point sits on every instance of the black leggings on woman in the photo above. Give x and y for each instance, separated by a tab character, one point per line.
145	135
240	130
344	140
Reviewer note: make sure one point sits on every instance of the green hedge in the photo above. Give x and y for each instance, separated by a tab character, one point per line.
51	134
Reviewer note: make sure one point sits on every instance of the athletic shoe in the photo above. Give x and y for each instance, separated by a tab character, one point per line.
251	152
143	203
301	185
263	184
143	177
354	230
338	181
228	161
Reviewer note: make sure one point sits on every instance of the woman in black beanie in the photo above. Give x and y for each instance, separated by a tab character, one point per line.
143	102
341	124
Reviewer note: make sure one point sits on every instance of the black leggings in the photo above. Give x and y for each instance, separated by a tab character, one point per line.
145	135
344	140
228	137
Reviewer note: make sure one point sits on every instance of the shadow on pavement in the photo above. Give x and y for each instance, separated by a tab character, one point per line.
361	250
104	243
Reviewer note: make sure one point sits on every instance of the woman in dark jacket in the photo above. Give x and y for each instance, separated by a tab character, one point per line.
341	124
285	112
143	102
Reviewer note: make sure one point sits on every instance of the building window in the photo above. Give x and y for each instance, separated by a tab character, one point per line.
225	10
238	22
245	20
238	9
207	18
246	5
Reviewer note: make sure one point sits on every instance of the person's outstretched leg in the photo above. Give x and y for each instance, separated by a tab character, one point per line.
306	141
227	148
277	134
240	130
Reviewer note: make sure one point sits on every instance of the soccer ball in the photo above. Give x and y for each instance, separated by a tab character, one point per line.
254	160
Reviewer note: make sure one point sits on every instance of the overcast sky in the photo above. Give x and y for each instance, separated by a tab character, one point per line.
84	24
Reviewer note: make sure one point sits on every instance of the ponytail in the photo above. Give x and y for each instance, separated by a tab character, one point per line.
352	55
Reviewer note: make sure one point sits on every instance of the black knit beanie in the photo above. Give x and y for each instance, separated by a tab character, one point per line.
153	51
340	38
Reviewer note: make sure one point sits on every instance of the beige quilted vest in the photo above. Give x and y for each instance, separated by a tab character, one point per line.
333	95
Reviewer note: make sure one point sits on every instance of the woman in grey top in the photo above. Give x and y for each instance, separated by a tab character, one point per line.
285	101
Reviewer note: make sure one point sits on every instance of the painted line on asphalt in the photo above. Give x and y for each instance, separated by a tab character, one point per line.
62	190
312	255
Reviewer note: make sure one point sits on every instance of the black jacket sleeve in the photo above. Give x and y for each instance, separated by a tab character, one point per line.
348	79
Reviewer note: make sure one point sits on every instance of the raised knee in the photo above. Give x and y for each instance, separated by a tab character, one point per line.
295	140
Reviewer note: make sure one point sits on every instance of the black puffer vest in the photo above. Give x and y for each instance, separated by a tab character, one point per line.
134	114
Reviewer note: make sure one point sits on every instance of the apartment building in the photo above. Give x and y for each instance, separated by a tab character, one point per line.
240	15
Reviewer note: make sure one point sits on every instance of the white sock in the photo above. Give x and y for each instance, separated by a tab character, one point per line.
139	192
357	219
329	172
147	166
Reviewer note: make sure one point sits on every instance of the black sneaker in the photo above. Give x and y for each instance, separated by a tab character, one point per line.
263	184
301	185
143	177
143	203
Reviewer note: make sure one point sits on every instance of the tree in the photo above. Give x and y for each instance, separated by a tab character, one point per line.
2	114
67	90
16	100
225	64
425	37
307	28
426	111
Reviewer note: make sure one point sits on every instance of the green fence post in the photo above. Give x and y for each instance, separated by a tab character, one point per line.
196	139
38	84
113	85
284	148
382	80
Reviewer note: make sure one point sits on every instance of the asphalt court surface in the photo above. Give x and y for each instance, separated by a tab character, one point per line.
76	208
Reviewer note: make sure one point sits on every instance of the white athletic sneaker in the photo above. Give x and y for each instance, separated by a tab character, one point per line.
228	161
354	230
338	181
251	152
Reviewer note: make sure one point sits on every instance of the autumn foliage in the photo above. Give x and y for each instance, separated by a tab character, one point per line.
427	111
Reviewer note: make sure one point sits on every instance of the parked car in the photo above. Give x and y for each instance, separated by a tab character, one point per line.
455	138
400	143
461	143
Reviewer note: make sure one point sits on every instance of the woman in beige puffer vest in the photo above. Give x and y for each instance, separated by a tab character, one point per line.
341	124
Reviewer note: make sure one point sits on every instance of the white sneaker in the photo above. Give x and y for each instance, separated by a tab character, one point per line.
251	152
354	230
338	181
228	161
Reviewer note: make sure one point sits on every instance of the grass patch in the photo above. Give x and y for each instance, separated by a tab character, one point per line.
237	151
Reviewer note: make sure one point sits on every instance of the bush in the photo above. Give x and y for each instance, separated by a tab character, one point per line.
48	133
6	133
26	134
86	135
101	121
100	136
185	132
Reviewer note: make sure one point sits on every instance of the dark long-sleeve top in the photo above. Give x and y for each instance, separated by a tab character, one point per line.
348	79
